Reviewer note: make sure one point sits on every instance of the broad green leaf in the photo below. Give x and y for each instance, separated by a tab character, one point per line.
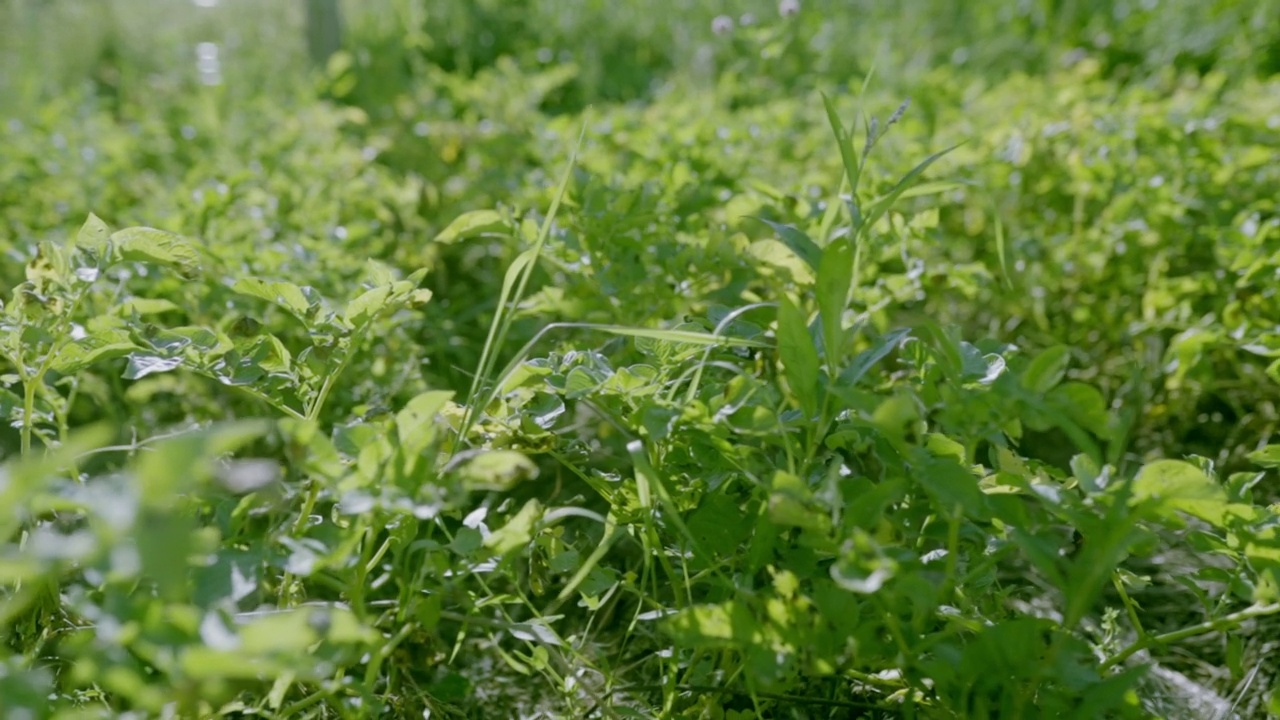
942	446
21	477
779	258
415	424
94	234
146	306
367	305
76	356
1170	486
518	532
951	485
1084	404
1268	456
494	469
143	244
1047	370
285	294
791	504
205	663
835	275
48	269
476	223
799	243
799	356
294	631
143	364
729	624
1106	542
719	525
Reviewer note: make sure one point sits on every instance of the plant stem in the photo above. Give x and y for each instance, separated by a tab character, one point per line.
1129	605
1225	622
28	413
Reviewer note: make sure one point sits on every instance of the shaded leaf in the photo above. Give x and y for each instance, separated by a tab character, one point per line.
799	356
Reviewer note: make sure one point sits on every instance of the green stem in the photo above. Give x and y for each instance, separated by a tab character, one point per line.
28	413
1226	622
1129	605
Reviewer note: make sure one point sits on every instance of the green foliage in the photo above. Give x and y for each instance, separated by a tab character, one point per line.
443	396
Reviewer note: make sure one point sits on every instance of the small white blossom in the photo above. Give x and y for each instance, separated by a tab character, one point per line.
787	8
722	25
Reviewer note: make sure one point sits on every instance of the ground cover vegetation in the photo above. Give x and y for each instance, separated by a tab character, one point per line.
578	359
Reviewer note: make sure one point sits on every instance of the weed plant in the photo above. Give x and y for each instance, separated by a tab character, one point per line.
682	372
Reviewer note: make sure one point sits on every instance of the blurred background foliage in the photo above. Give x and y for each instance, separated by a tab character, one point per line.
705	114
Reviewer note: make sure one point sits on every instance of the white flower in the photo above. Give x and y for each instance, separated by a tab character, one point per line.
722	25
787	8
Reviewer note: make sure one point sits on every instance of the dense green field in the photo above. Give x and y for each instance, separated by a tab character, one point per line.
586	359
